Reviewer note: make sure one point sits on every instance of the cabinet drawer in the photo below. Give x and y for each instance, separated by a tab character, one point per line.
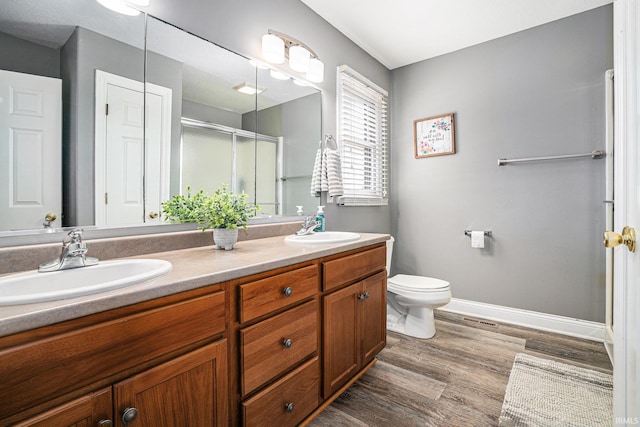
266	295
263	352
339	271
37	372
286	402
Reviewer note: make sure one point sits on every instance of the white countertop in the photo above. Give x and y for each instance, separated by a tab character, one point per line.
192	268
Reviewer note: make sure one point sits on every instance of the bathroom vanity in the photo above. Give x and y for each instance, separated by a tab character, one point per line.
266	334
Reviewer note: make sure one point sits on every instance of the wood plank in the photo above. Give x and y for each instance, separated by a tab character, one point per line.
467	360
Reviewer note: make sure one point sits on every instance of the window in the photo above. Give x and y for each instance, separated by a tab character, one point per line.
363	138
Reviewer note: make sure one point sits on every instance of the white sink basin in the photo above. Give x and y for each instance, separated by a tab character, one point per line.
324	237
32	287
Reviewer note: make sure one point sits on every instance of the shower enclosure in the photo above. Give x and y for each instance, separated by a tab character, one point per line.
212	155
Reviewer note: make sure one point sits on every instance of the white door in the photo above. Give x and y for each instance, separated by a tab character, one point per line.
30	150
124	184
626	290
132	176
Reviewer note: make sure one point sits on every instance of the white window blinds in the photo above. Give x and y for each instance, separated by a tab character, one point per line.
363	138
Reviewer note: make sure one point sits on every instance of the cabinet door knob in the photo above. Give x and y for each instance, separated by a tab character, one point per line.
289	407
287	291
105	423
129	415
287	343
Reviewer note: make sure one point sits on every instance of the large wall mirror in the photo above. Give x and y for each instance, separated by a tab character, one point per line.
98	131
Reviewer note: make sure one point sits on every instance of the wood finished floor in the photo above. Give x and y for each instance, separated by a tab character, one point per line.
457	378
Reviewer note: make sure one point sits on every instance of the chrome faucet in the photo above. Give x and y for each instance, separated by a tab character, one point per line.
73	255
308	226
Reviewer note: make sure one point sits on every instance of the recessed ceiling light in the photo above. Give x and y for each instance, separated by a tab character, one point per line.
248	88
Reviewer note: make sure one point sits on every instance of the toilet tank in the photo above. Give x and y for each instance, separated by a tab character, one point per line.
389	253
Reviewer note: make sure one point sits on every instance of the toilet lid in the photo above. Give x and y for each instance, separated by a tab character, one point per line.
417	283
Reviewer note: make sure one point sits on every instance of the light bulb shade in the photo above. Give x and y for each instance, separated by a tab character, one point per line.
315	73
299	59
119	6
273	49
278	75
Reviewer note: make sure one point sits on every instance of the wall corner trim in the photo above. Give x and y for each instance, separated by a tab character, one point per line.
585	329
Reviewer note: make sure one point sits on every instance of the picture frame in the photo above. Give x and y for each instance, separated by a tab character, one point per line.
434	136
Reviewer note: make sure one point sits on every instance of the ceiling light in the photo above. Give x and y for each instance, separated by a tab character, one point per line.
273	49
278	75
248	88
276	47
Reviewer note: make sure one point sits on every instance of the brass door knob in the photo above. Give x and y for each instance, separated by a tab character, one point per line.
50	217
153	215
628	238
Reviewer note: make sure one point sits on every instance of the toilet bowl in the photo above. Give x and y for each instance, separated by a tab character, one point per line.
411	301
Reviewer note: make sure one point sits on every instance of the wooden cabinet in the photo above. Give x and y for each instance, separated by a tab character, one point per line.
263	350
354	329
288	401
87	411
190	390
278	366
141	352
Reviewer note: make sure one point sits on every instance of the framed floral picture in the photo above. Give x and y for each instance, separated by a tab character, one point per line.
434	136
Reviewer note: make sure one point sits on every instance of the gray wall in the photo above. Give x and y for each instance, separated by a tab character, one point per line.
26	57
539	92
239	25
85	52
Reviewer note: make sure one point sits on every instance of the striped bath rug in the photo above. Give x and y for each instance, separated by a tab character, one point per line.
546	393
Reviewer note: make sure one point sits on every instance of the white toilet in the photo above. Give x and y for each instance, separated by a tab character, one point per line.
411	300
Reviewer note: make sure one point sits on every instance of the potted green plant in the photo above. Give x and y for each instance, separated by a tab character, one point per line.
223	212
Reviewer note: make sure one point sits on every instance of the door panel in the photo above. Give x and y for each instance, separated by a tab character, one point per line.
188	391
30	150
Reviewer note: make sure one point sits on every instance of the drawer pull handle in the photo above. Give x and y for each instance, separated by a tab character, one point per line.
289	407
105	423
364	296
287	343
129	415
288	291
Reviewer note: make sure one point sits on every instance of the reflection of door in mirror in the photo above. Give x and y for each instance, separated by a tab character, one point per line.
127	170
30	150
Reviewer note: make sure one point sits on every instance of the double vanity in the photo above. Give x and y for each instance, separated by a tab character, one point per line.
267	334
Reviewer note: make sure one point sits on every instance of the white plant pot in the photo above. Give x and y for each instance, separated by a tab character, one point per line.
224	238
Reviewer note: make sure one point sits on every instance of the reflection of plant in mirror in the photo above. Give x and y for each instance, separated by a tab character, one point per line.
224	209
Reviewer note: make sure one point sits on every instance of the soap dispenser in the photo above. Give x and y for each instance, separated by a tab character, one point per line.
320	219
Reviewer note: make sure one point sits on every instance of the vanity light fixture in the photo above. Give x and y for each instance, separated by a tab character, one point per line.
248	89
276	47
125	7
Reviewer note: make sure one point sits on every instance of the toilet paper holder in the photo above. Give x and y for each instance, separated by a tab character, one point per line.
486	232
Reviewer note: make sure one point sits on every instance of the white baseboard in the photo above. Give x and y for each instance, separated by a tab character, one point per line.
585	329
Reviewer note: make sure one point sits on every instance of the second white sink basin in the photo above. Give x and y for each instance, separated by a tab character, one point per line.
32	287
324	237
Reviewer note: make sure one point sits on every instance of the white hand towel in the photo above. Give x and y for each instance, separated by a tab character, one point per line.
332	173
316	176
477	239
